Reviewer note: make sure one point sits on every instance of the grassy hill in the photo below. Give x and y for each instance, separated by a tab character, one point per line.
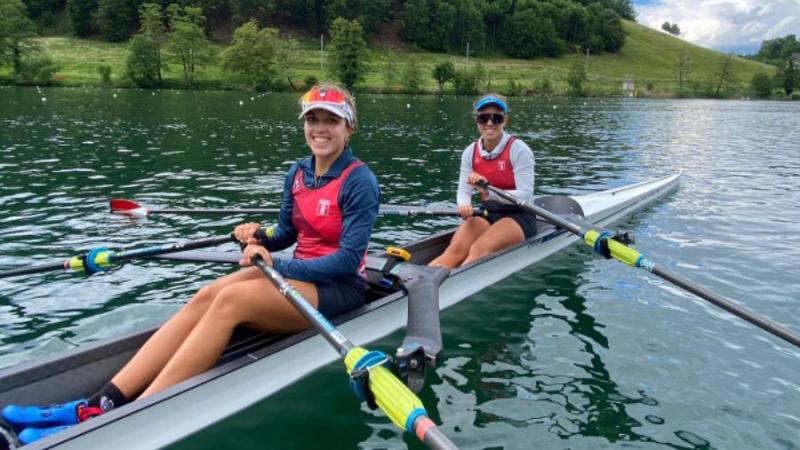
649	58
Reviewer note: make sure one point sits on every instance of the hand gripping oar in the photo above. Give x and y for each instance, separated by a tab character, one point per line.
134	209
390	394
621	252
101	259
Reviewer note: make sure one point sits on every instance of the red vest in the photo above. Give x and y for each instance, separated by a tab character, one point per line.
498	171
317	216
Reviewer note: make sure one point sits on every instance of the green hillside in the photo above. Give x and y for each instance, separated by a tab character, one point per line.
649	58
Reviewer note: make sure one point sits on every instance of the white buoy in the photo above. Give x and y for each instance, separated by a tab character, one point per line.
408	105
44	99
555	107
241	102
115	95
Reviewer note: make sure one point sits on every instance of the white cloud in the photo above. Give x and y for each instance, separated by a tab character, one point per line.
726	25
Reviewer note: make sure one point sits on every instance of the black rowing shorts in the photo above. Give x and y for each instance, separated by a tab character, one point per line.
526	221
338	297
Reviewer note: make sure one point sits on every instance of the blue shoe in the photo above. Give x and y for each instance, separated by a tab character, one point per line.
29	435
43	416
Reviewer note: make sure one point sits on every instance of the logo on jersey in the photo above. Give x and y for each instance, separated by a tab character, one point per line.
323	207
501	165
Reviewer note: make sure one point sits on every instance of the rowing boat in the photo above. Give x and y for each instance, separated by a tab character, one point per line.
255	365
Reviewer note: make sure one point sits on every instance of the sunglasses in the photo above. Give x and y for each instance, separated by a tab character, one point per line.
484	118
316	95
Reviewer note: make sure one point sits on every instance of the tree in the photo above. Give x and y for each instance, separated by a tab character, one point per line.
672	29
468	27
80	16
761	84
495	15
725	76
254	54
288	58
529	35
444	72
412	76
777	51
348	51
466	82
790	77
605	32
188	41
576	78
15	30
143	63
152	28
683	65
114	19
441	16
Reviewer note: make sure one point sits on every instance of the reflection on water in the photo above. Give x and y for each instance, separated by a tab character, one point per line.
576	352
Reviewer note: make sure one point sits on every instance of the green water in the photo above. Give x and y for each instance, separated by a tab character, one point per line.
576	352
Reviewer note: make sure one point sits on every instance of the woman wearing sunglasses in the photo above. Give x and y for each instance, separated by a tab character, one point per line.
330	203
505	162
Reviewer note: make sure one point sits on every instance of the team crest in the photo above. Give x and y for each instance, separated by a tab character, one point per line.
323	207
501	165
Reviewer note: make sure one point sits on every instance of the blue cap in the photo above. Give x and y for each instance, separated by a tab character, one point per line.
491	100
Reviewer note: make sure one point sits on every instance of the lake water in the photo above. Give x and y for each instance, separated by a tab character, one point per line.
576	352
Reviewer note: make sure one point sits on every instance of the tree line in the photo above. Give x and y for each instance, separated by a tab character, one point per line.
518	28
783	52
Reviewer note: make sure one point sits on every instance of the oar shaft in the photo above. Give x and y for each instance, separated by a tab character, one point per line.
726	304
215	211
170	248
50	267
635	259
392	396
317	320
101	259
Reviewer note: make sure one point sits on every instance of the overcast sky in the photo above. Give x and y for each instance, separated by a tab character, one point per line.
726	25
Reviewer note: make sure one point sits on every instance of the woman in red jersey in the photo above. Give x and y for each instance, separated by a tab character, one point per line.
505	162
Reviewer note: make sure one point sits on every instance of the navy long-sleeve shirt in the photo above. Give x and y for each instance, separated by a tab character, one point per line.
359	200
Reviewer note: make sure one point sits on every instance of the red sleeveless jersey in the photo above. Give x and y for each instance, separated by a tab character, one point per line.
498	171
317	216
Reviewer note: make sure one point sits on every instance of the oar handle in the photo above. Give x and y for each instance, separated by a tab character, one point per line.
631	257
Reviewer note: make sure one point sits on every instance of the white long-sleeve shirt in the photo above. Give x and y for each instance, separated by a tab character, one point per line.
522	161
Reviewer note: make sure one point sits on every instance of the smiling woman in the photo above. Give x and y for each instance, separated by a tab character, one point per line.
505	162
330	203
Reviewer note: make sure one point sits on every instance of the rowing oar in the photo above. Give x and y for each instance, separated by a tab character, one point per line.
132	208
631	257
367	370
101	259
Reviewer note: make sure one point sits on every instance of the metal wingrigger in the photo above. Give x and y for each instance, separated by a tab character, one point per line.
254	366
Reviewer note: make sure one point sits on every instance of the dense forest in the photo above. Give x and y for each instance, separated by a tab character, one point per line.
518	28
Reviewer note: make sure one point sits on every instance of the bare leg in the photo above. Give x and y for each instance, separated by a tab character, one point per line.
254	303
466	234
154	354
503	233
